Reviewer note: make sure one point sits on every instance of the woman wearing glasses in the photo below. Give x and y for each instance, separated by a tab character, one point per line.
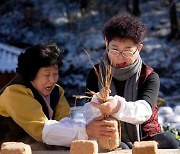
134	85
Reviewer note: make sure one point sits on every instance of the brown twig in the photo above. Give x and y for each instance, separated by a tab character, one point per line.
105	82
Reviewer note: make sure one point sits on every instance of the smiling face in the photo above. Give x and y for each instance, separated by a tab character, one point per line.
122	46
45	80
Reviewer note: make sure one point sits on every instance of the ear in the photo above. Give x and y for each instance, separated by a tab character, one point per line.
107	44
139	47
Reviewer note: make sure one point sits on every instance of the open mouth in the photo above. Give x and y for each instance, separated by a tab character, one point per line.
121	65
49	88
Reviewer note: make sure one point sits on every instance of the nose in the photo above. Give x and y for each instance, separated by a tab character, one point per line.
120	56
52	79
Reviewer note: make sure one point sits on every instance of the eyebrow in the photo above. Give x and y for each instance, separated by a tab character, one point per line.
115	46
46	69
128	47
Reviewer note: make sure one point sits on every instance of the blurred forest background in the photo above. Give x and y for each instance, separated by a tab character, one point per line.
77	24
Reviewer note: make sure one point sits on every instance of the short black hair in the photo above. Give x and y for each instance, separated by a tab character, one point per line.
124	26
36	57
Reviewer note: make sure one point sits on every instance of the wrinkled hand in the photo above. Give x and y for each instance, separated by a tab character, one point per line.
108	108
99	128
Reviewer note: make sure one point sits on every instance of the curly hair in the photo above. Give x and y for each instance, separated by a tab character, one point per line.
124	26
36	57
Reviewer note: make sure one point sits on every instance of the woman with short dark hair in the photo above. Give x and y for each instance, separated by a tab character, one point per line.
33	107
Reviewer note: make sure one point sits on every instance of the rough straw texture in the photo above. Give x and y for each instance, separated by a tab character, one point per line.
15	148
84	147
113	143
145	147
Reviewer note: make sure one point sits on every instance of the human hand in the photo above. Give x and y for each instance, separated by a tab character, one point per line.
108	108
99	128
90	112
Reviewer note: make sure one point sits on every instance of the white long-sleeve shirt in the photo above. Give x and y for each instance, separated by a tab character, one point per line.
63	132
132	112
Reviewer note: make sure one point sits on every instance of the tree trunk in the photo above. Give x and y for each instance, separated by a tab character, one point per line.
173	19
83	4
136	10
127	6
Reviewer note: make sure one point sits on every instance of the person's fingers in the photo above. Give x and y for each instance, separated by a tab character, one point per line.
100	128
96	105
101	106
108	123
100	118
105	105
108	132
102	136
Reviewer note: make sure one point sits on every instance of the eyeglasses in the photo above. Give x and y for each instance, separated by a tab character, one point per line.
125	54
